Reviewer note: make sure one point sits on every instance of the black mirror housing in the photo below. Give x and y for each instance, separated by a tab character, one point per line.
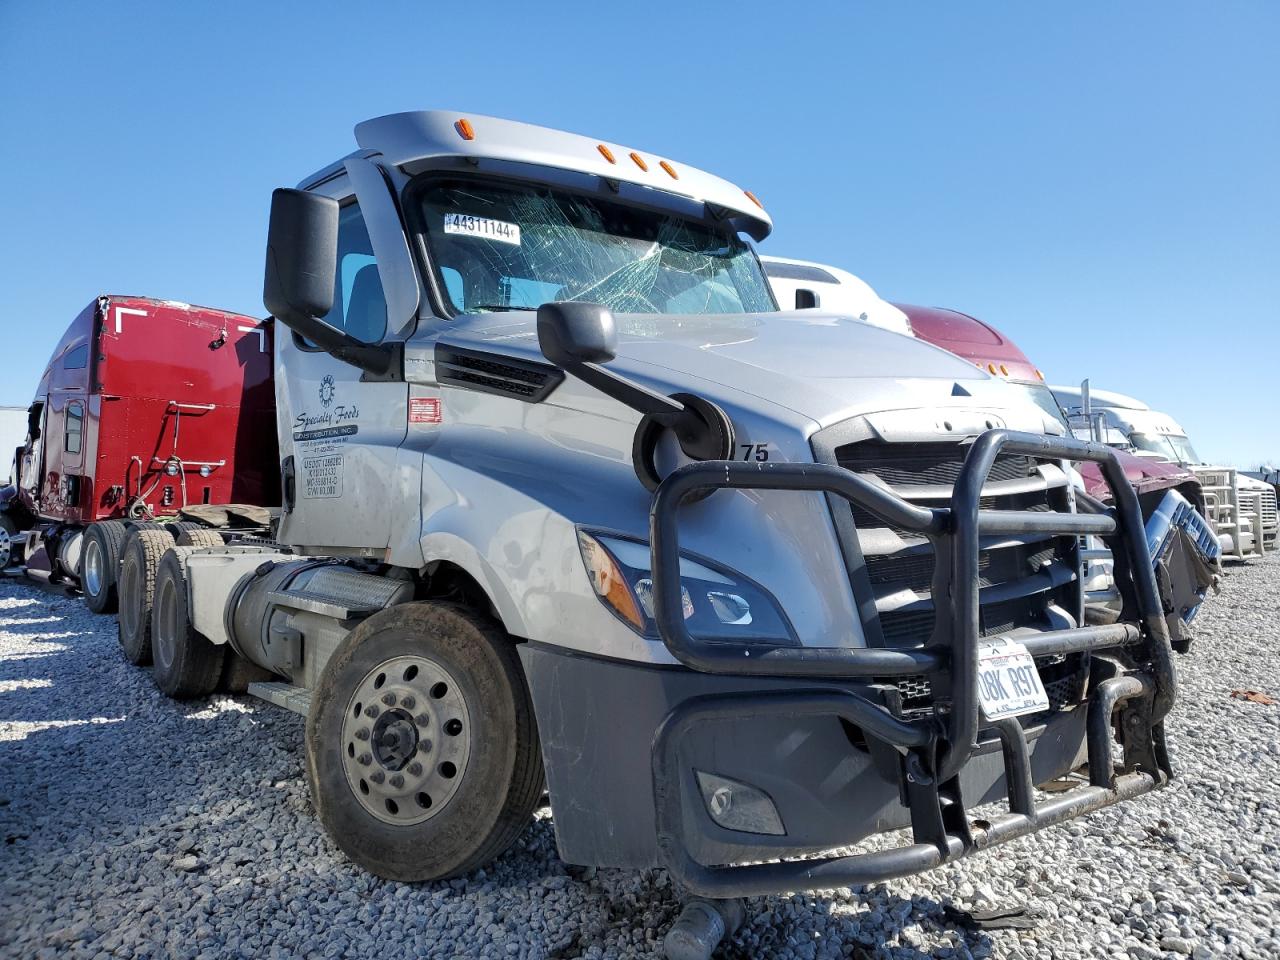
302	256
570	333
301	274
806	299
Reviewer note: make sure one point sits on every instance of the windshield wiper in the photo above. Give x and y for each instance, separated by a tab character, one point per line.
497	307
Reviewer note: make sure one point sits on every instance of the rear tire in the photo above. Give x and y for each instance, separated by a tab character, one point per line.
463	772
199	537
100	564
186	664
139	564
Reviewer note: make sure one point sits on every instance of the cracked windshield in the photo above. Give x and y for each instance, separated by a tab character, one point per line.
515	247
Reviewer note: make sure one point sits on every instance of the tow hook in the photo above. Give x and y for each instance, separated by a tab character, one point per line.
702	924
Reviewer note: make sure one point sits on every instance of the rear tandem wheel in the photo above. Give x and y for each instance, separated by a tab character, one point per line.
99	564
140	561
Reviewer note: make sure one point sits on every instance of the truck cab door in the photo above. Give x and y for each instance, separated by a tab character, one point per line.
31	460
341	429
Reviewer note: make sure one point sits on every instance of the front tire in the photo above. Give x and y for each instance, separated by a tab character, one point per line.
422	751
100	563
9	540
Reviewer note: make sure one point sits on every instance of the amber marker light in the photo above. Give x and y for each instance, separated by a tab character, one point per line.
671	171
605	152
465	130
1004	369
609	583
754	199
639	161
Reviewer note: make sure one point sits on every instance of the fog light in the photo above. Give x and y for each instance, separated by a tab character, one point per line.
739	806
206	470
171	468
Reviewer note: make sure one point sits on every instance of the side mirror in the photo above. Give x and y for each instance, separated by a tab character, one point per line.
302	256
579	337
570	333
302	266
806	299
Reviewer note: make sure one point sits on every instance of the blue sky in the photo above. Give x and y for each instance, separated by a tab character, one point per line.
1098	180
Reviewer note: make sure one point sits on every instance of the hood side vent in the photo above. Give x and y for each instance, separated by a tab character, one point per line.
506	376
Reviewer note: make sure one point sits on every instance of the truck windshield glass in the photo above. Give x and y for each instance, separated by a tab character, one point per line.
515	247
1168	445
1043	398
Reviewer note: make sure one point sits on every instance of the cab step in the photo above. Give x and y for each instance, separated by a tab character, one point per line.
297	699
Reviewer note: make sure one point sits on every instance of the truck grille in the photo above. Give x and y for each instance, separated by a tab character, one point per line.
1270	519
1026	582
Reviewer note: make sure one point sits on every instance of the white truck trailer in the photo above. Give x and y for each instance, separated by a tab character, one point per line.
1241	509
566	498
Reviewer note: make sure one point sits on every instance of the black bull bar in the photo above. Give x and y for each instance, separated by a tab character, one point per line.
933	748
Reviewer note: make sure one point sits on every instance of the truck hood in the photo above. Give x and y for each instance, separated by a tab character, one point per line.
825	367
1145	474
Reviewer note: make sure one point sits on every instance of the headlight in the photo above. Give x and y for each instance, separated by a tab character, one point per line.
717	604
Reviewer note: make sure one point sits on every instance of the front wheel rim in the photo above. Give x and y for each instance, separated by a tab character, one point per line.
6	548
405	740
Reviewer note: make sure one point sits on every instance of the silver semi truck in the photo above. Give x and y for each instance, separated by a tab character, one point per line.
566	501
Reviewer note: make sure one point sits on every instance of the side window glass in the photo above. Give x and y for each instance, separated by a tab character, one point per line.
359	305
454	288
76	359
75	426
34	415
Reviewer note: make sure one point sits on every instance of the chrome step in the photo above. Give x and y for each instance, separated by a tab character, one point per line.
297	699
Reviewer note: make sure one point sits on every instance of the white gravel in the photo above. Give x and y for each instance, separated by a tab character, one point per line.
137	827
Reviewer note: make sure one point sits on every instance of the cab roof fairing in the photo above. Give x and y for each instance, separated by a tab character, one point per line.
1074	396
402	138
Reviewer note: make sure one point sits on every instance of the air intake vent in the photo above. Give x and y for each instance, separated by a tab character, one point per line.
513	377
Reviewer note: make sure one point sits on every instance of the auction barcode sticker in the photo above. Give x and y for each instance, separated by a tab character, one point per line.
469	226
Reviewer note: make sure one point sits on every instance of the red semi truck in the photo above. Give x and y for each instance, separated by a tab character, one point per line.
147	407
990	350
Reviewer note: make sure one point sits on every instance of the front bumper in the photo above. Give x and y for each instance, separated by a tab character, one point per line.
1132	693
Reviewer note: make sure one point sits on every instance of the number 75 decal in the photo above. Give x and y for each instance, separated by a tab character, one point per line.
758	452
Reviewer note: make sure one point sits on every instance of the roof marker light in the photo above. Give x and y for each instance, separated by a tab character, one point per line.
1039	374
639	161
1004	369
605	152
671	171
991	369
465	130
754	199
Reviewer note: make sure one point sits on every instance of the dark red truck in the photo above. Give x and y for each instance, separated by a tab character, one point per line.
147	407
989	350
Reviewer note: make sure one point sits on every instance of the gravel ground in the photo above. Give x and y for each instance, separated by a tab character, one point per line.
134	826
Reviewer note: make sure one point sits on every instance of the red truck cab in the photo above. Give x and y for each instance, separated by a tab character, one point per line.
989	350
147	406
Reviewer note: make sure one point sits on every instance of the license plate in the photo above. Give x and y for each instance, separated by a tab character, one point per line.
1008	682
